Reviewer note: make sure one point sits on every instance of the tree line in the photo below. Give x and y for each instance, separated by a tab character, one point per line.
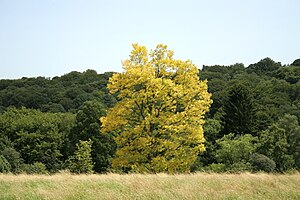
253	123
47	125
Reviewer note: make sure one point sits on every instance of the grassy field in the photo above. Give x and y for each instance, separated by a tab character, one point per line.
159	186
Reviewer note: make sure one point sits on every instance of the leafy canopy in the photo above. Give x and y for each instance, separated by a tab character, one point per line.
158	119
274	144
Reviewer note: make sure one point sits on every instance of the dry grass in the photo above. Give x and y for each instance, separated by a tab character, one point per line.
158	186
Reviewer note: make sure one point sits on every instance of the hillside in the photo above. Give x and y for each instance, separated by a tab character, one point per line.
252	125
59	94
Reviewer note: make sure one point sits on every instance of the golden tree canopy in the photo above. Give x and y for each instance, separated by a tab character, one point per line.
158	119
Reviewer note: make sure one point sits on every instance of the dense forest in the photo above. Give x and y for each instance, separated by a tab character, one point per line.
52	124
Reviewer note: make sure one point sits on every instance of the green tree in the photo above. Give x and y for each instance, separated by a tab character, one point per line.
14	159
292	129
88	127
212	127
235	152
239	113
4	165
290	74
59	94
273	144
81	161
37	136
265	66
158	119
273	99
296	62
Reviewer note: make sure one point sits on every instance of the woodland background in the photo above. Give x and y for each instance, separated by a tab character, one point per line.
52	124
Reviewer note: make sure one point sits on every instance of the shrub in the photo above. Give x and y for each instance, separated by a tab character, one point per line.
235	149
239	167
217	167
261	162
35	168
4	165
13	157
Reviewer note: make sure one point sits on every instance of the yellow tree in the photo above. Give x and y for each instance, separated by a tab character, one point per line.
158	119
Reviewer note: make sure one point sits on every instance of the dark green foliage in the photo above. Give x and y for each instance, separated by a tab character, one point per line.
13	158
235	152
88	128
60	94
290	74
264	67
273	144
103	152
261	162
273	92
218	79
53	108
262	99
81	161
296	62
217	168
212	127
35	168
4	140
274	98
4	165
290	124
37	136
239	111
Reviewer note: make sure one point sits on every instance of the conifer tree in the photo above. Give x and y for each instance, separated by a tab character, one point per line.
239	111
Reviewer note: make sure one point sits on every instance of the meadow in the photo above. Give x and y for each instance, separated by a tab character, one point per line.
151	186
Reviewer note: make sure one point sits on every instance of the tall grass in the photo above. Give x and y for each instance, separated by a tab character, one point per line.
158	186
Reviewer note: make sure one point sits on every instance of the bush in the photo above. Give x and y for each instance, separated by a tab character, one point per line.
4	165
261	162
13	157
216	167
239	167
235	150
35	168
